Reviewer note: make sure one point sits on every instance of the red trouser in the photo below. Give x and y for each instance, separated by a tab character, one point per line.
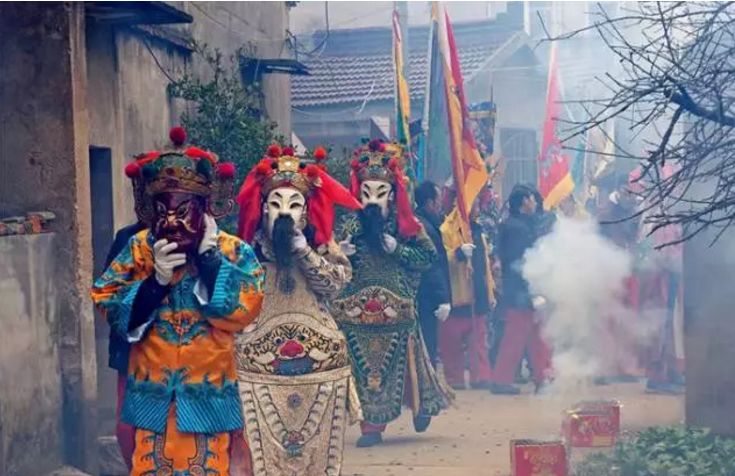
366	428
522	333
124	432
452	334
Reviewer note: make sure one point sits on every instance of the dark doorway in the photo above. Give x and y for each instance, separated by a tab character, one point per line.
100	185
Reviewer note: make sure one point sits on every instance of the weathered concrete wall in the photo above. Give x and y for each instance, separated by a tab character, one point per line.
30	389
43	156
259	27
710	332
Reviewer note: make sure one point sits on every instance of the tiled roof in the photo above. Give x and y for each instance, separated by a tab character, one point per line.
356	66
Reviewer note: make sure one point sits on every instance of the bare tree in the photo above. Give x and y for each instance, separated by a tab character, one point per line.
675	92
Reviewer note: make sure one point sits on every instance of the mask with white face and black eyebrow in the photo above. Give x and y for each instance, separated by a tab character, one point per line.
377	192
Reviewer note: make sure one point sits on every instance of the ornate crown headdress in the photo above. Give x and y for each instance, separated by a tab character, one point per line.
282	168
181	168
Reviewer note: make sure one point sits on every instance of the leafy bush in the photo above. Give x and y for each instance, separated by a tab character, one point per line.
670	451
228	115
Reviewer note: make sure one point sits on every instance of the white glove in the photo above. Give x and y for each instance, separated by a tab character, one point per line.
346	246
442	312
209	240
299	242
467	250
538	302
165	261
389	243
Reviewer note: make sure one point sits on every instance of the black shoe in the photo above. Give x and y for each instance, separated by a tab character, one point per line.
504	389
602	381
661	388
421	423
480	385
370	439
542	388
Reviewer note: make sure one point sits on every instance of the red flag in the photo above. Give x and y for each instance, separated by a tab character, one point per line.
554	178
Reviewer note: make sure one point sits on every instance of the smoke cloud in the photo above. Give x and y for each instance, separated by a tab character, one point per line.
582	276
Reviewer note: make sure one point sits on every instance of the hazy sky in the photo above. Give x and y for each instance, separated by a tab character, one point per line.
310	16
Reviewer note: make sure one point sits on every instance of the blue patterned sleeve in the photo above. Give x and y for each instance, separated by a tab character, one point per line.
238	290
115	291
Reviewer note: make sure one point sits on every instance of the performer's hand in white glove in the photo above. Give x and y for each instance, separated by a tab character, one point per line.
389	243
165	261
209	240
299	242
538	302
442	312
346	246
467	250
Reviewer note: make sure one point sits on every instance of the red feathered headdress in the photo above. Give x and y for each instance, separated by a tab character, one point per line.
380	161
322	192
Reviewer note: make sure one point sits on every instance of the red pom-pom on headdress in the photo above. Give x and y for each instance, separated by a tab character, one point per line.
312	171
177	135
132	170
274	151
226	170
320	153
288	151
263	168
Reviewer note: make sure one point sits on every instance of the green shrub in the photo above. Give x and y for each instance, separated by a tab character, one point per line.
669	451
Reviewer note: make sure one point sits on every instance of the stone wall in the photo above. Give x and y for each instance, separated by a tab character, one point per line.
43	158
30	394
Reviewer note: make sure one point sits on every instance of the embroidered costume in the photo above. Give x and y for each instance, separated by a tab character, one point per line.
179	291
294	373
388	249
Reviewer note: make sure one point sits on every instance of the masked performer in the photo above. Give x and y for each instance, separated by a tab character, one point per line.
389	250
295	377
179	291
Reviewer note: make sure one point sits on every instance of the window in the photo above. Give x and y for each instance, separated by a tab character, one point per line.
519	152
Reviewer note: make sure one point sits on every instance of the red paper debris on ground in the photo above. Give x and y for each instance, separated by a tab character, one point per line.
538	458
592	424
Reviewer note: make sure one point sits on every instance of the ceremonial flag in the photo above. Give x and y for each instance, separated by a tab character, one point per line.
554	178
447	106
403	100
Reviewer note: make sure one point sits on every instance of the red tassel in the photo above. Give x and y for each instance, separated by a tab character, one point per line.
250	207
354	184
288	151
197	153
408	225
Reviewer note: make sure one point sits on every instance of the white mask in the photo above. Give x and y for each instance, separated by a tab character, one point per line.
284	201
376	192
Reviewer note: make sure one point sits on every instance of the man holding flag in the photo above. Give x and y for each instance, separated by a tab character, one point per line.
471	280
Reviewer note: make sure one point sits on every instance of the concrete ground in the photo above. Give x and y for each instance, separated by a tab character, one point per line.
472	439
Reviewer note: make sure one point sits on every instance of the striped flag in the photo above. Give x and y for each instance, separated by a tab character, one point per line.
554	179
450	134
403	100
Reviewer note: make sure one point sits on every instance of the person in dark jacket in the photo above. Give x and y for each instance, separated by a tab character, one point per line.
434	295
518	233
119	351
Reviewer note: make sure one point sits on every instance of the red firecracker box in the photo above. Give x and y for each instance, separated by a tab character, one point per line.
538	458
592	424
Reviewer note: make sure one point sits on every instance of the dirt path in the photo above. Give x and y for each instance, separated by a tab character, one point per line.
472	439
